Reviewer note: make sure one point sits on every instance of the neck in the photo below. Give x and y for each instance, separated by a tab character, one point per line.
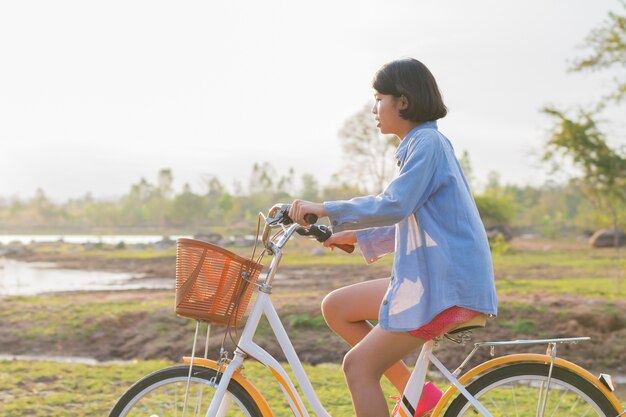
404	130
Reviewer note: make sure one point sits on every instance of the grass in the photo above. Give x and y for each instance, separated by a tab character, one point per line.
144	254
38	389
585	287
581	259
61	389
58	315
65	389
306	252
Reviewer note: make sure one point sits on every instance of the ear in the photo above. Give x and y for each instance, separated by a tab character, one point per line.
404	102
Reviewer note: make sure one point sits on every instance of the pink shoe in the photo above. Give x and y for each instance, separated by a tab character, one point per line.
429	399
427	402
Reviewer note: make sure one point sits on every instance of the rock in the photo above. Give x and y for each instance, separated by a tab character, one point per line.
214	238
164	244
499	230
605	238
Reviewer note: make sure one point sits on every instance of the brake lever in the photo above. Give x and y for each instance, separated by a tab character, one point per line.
280	216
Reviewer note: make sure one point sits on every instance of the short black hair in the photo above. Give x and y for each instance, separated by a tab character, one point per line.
410	78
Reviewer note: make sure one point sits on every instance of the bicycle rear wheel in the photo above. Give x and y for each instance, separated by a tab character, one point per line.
162	394
518	389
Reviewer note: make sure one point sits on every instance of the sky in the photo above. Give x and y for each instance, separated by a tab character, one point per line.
96	95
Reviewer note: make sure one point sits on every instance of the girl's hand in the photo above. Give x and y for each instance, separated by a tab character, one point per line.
299	208
347	237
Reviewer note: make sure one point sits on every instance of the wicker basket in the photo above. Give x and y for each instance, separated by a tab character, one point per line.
212	283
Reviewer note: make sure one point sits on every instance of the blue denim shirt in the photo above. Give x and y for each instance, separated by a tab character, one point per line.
427	217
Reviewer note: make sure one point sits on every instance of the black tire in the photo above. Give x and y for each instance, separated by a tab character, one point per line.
514	390
160	393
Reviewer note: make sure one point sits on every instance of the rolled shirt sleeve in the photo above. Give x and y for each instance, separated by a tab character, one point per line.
376	242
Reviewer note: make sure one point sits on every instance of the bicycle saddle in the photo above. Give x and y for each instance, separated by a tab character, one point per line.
477	322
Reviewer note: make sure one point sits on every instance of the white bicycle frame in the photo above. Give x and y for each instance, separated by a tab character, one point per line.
264	306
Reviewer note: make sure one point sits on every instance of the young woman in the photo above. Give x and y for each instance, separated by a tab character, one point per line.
442	273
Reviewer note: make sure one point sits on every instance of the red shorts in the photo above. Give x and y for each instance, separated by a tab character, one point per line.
444	322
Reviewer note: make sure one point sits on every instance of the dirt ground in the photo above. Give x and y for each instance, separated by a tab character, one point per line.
160	334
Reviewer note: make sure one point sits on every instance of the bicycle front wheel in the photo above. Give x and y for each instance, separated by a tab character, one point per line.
522	390
162	394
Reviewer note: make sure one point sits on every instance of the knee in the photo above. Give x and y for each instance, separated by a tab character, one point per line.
357	368
350	365
332	306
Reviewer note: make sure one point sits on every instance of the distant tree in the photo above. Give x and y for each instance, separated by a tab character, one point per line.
340	189
603	169
188	209
310	188
466	166
496	204
262	178
142	191
369	156
44	209
213	186
284	185
608	51
165	183
226	204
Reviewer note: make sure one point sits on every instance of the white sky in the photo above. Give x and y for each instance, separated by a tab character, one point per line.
96	95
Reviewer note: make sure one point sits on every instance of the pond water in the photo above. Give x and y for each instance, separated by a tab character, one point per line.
32	278
79	239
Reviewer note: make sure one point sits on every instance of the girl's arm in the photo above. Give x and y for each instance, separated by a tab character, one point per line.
403	195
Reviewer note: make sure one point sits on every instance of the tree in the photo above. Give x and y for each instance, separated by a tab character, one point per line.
466	166
214	187
166	181
608	51
579	139
496	206
369	155
187	209
310	188
340	189
603	170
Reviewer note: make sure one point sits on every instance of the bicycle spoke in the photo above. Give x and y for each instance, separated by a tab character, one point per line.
162	394
521	390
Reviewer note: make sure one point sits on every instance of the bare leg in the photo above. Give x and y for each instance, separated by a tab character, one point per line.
365	364
346	311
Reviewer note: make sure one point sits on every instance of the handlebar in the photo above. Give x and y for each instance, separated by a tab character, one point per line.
322	234
278	216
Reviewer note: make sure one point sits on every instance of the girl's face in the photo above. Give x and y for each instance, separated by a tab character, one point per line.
386	111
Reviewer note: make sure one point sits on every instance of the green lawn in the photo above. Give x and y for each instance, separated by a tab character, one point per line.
62	389
38	389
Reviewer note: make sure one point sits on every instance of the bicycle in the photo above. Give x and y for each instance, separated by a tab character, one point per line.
518	384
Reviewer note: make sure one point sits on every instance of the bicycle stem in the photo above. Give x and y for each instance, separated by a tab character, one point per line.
276	250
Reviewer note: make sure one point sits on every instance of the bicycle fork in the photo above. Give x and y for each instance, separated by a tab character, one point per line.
220	401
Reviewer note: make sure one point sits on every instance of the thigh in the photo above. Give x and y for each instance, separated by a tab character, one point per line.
381	348
357	302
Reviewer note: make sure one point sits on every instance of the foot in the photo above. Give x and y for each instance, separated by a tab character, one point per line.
429	399
427	402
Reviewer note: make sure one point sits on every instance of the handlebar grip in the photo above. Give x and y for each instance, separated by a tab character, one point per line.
345	247
310	218
322	233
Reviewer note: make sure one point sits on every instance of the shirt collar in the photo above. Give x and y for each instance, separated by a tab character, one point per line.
402	147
